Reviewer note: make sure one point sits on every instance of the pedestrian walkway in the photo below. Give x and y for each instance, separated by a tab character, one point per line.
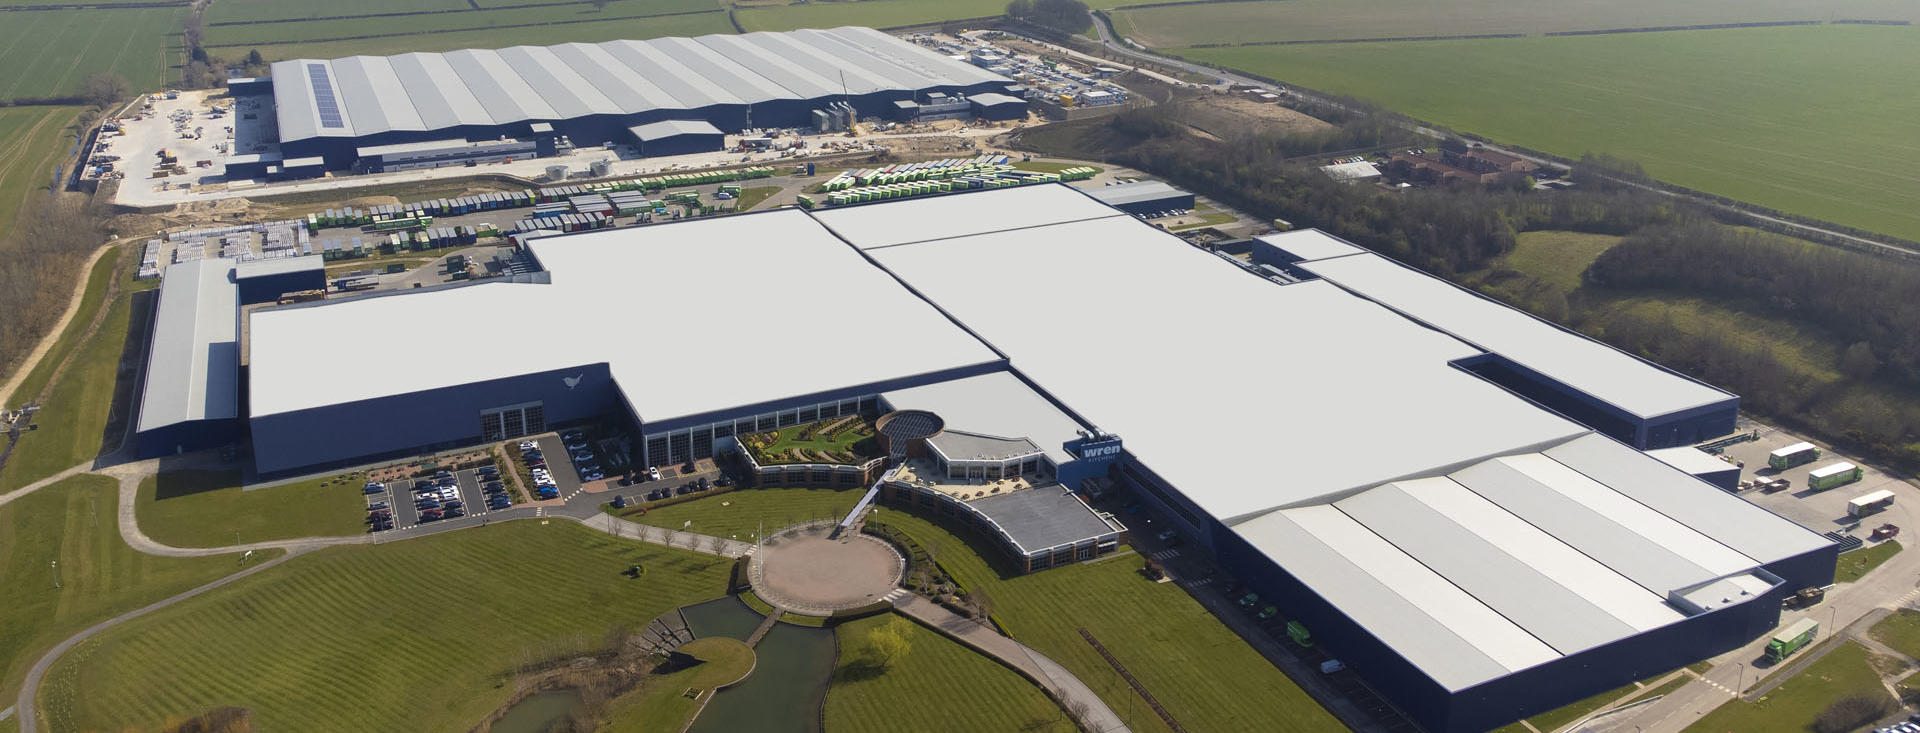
1068	689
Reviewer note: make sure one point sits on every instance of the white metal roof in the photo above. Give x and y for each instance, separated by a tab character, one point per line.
1122	194
719	275
1795	448
1638	387
422	91
1185	355
1691	460
669	128
996	404
1831	469
1350	171
193	366
1311	244
278	266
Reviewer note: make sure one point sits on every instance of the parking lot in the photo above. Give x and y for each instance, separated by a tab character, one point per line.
1821	511
449	495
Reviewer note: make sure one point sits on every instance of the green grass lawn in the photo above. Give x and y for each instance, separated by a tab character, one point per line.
1790	708
209	509
1557	258
1855	565
1900	631
51	52
741	514
751	196
74	415
1051	166
1207	676
937	680
659	704
1294	20
1204	674
72	523
420	635
1797	119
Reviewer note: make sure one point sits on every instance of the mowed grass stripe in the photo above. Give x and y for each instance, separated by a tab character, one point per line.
940	679
377	637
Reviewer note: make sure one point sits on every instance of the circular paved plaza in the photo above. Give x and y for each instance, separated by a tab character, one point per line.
810	573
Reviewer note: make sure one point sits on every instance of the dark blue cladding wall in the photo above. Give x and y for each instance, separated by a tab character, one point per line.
340	435
269	288
681	145
1680	428
187	437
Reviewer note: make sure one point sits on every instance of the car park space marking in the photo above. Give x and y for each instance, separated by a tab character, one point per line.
1164	555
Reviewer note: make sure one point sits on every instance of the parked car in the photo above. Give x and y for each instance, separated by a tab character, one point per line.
653	474
705	484
377	506
430	515
374	488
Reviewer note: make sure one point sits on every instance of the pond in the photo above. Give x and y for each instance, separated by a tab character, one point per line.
785	691
790	675
539	712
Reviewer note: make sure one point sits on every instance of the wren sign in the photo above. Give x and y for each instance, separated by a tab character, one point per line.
1095	453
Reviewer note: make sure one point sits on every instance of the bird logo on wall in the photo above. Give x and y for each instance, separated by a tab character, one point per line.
573	381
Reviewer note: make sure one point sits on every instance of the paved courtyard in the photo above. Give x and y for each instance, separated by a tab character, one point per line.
810	572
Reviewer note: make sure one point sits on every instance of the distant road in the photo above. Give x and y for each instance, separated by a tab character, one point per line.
1120	47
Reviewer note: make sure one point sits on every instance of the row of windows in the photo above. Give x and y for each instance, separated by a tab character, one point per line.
696	443
501	423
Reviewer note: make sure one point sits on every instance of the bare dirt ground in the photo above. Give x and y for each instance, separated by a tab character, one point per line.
1222	115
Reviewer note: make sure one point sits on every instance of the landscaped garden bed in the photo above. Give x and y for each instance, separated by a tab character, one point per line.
845	440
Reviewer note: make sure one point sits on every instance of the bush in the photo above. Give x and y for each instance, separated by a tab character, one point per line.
1849	713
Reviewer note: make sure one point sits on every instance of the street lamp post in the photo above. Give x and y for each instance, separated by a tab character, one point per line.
1741	682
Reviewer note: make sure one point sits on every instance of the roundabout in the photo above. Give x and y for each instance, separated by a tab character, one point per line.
808	571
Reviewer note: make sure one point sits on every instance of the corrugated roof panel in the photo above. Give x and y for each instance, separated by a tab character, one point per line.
897	51
506	97
1731	520
852	54
721	71
676	78
368	86
1620	543
193	364
1598	584
796	51
558	85
438	93
1485	629
1516	591
790	73
631	91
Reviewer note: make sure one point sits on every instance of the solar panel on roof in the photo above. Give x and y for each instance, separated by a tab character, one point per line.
323	99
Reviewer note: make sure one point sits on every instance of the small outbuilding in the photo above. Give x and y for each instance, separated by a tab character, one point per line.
677	137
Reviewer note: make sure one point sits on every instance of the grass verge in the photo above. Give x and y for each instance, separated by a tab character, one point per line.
1900	631
72	523
209	509
662	703
741	514
937	679
1791	707
74	416
1855	565
422	635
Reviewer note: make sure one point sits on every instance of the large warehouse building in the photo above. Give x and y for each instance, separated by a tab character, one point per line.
1480	545
596	93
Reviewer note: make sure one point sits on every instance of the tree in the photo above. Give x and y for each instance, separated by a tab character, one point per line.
982	604
599	5
1853	712
254	59
1066	16
886	645
103	89
1858	361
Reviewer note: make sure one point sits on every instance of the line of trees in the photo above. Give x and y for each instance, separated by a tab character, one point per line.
39	260
1065	16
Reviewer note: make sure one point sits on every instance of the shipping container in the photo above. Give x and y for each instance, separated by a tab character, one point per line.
1838	474
1866	504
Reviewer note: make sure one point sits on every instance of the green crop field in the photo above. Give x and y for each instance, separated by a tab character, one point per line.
1318	20
1808	120
875	13
209	509
51	52
33	140
582	18
592	31
73	418
228	11
420	635
72	523
937	680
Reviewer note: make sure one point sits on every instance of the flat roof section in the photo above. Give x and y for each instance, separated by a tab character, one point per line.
1691	460
719	273
1638	387
1133	193
1311	244
997	404
193	366
1131	328
1043	517
669	128
945	217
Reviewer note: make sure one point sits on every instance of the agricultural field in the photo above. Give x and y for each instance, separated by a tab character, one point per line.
51	52
1807	120
33	140
72	523
421	635
223	35
940	679
567	29
1326	20
875	13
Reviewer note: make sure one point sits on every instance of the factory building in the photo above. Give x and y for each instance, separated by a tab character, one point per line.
595	93
1143	198
1479	544
677	137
